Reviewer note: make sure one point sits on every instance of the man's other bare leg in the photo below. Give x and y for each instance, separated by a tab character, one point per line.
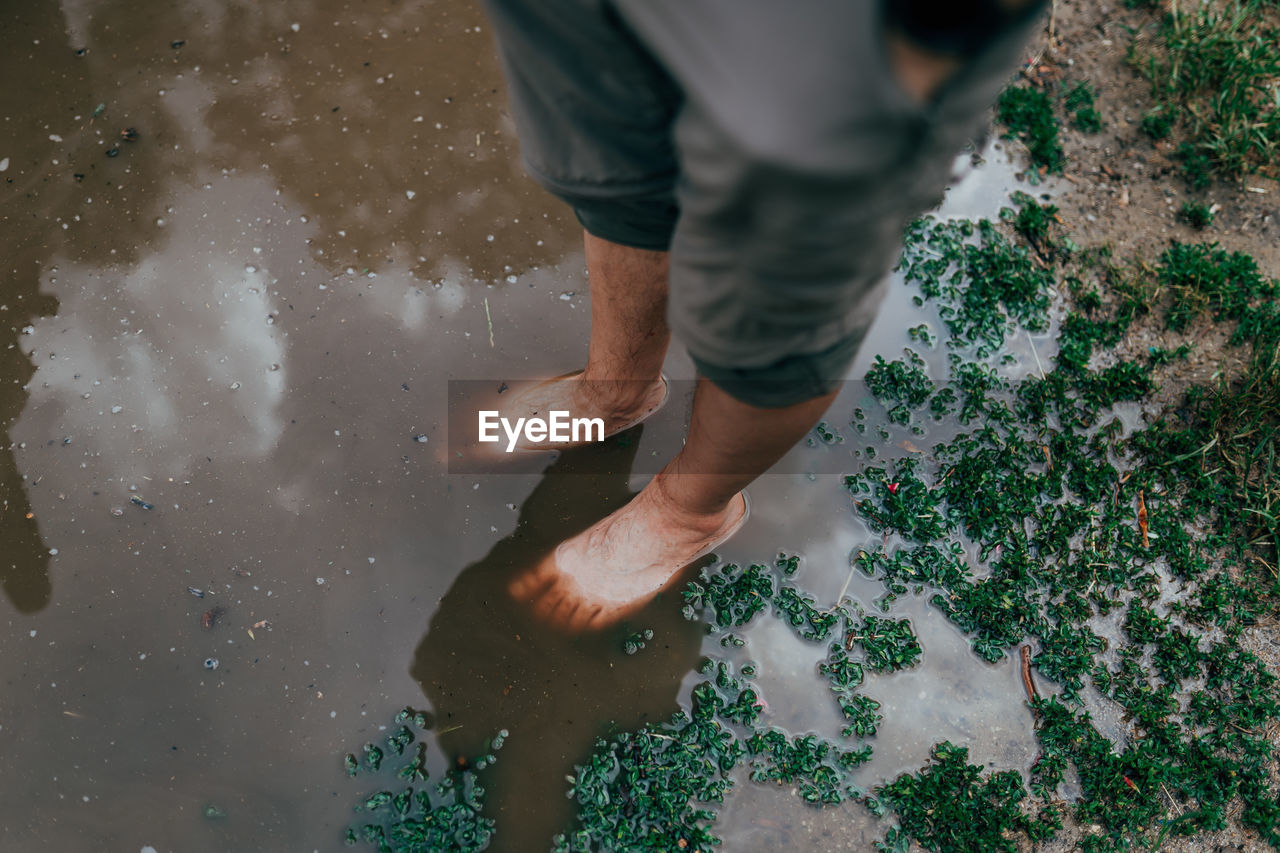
620	563
629	336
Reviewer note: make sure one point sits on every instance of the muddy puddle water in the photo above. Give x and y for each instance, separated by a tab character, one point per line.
231	547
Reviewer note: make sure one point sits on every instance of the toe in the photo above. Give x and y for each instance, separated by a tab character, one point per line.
599	618
548	603
523	587
531	584
562	613
590	618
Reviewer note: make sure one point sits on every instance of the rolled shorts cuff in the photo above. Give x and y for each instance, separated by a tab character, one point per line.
788	381
638	221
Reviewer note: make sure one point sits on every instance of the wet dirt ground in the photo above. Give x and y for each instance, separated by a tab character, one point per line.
222	342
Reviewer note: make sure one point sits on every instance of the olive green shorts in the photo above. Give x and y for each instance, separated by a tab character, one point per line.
768	146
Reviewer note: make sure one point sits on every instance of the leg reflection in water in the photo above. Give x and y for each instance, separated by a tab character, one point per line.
24	559
488	663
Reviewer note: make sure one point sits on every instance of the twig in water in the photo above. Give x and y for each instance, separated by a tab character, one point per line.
1032	344
1033	695
1142	519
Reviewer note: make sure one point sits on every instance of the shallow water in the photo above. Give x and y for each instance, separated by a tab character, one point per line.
243	320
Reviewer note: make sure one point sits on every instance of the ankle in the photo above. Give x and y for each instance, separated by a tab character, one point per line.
690	497
616	397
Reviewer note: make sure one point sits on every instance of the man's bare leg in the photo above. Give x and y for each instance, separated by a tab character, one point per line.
629	336
620	563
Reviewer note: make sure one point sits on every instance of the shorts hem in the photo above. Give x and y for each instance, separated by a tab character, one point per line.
571	190
788	381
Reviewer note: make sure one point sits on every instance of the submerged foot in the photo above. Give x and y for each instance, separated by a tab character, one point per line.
620	404
620	563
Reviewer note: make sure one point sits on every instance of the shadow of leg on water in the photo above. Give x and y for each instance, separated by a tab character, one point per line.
487	663
24	560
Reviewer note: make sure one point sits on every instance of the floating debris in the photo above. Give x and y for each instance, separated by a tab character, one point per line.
1028	684
635	642
210	663
177	43
134	499
198	593
420	438
113	152
1142	520
129	134
212	812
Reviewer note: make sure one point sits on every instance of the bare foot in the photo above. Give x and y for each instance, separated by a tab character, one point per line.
621	562
621	404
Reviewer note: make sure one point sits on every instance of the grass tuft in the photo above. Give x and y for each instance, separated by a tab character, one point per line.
1216	68
1028	115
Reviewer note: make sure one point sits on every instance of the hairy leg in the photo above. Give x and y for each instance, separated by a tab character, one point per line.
629	337
629	334
620	563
